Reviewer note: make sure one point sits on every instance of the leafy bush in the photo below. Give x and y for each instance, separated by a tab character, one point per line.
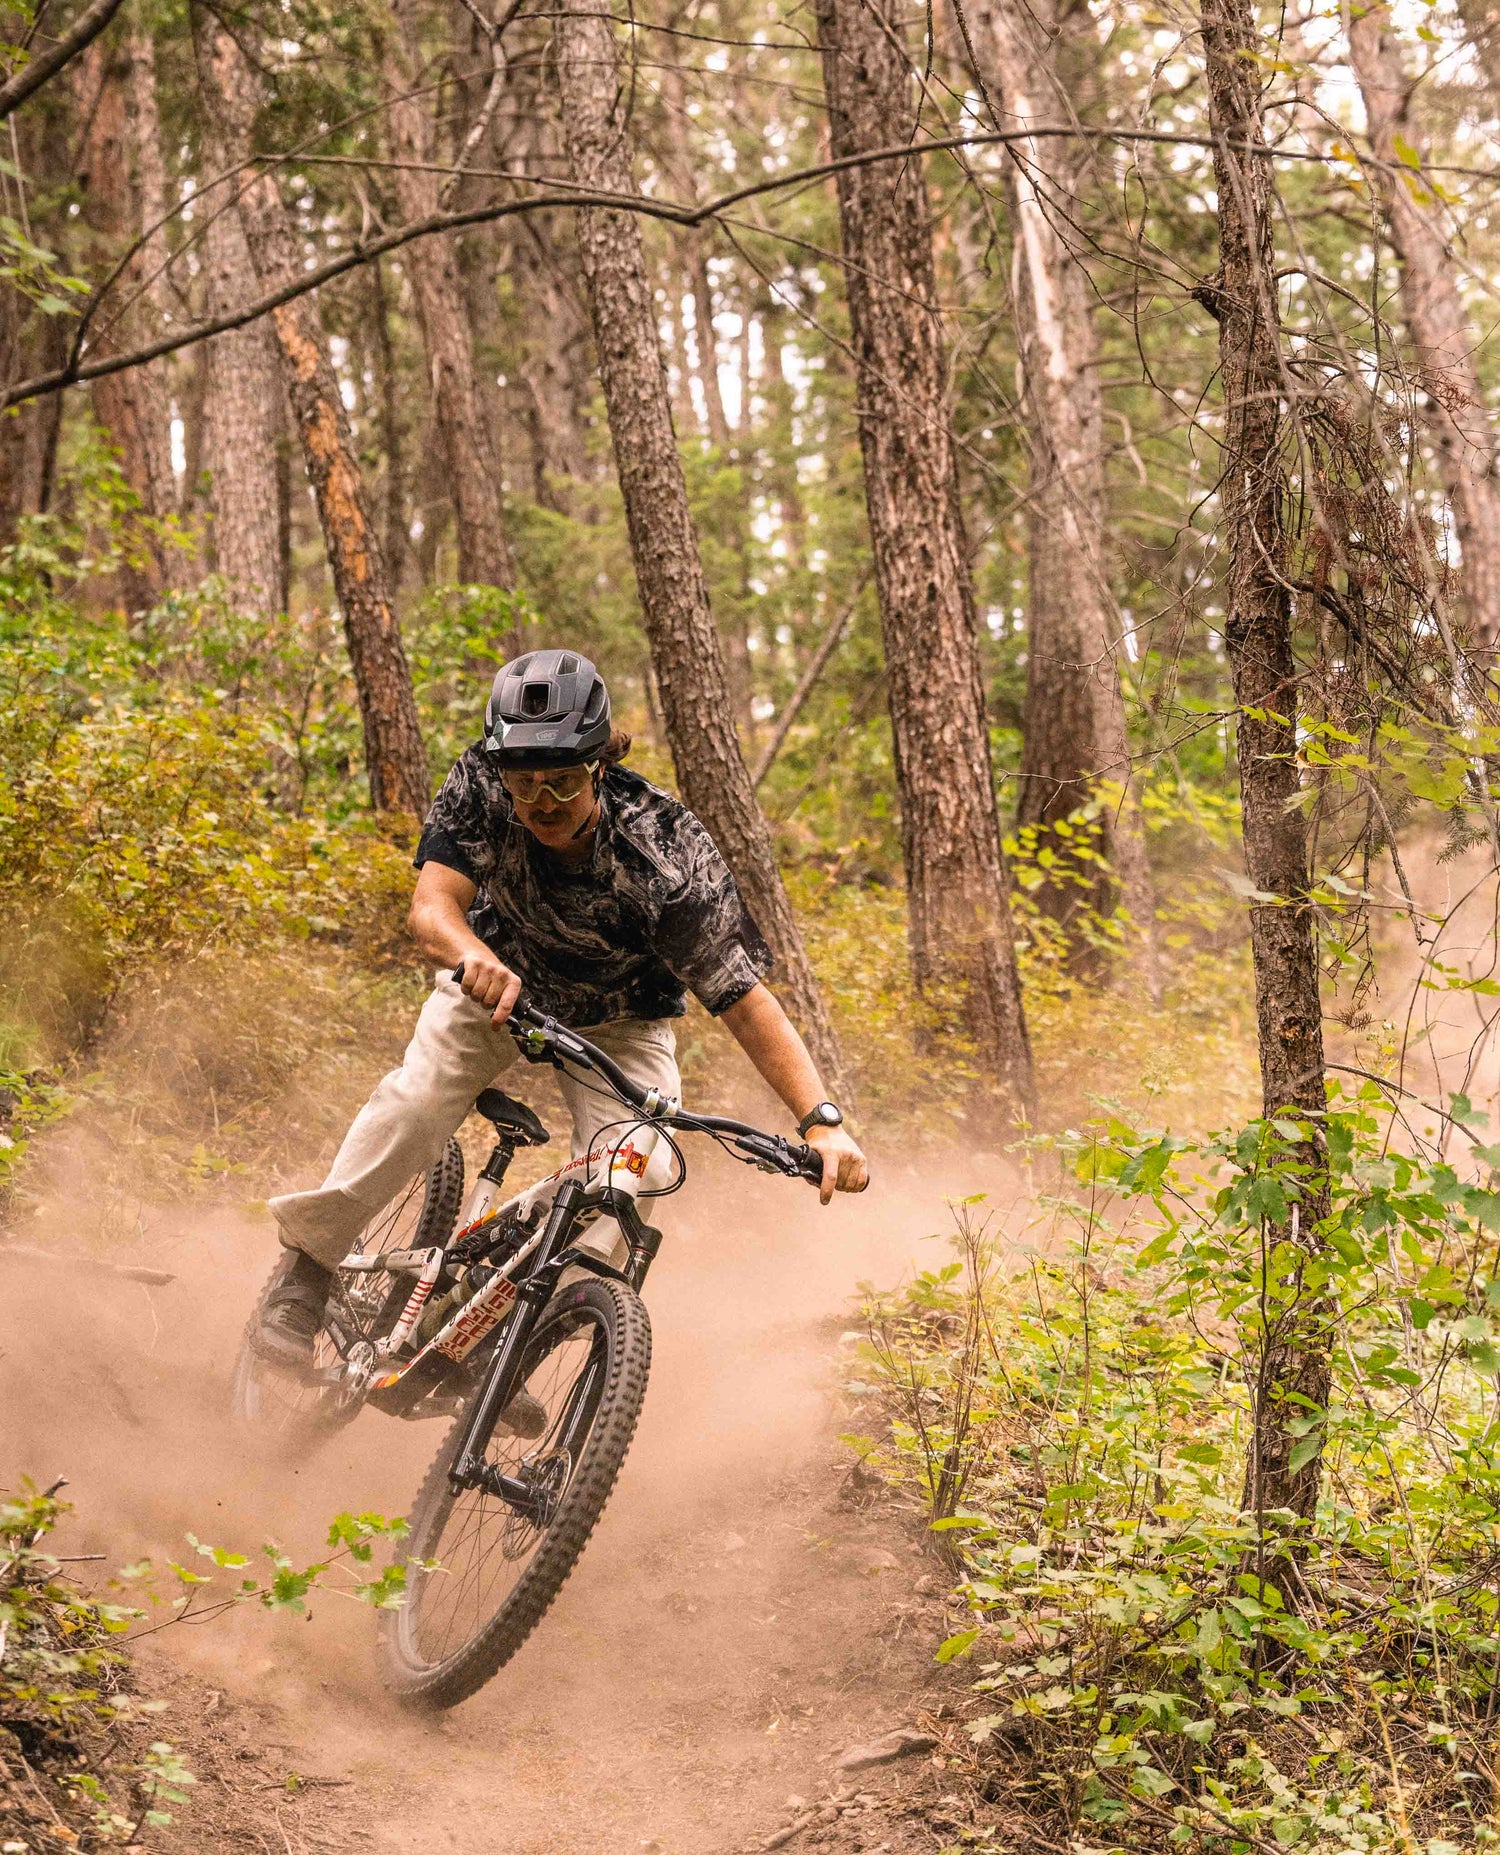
76	1758
1155	1660
140	824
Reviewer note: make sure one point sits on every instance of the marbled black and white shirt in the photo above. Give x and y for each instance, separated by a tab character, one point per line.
654	910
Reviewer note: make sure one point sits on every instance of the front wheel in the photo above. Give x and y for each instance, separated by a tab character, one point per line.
480	1575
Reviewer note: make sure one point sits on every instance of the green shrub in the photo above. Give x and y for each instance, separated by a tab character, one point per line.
1160	1663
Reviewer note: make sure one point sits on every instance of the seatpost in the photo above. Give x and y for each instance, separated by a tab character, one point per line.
502	1380
498	1163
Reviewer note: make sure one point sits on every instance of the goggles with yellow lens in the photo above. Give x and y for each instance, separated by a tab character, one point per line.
528	783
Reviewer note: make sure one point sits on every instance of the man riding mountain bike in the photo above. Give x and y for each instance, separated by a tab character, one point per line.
545	863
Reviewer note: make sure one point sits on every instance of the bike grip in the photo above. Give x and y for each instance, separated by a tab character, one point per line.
809	1164
458	973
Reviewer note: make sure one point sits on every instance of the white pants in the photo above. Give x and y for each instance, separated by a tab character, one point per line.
455	1052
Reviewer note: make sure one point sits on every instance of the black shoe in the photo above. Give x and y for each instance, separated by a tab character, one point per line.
293	1309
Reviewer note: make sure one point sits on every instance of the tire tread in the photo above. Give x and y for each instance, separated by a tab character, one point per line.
579	1512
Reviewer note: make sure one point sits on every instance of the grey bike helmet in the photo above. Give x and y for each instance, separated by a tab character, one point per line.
548	708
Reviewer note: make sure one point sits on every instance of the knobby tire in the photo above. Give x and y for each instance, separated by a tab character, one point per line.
619	1315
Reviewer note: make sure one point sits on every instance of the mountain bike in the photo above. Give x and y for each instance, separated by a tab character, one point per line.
535	1345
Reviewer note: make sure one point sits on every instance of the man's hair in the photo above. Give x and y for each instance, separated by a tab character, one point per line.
615	748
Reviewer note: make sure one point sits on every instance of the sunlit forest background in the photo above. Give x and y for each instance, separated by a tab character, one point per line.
1028	473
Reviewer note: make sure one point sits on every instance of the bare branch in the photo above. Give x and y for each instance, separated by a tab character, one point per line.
827	645
84	30
670	211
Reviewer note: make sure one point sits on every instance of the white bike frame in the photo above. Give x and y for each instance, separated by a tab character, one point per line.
625	1160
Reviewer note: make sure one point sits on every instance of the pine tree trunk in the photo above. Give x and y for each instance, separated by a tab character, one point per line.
1444	336
557	377
555	373
1074	732
431	265
1258	640
151	264
782	472
962	944
705	340
395	760
242	397
396	535
685	647
132	406
29	344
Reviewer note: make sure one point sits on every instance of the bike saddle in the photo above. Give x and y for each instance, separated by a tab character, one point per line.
509	1116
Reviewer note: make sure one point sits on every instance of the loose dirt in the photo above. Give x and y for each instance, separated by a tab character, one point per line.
742	1616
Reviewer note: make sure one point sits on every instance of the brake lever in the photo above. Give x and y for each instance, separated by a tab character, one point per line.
775	1153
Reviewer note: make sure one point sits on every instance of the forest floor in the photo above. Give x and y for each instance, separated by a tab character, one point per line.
744	1616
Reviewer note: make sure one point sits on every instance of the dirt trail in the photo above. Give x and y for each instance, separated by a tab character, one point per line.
734	1624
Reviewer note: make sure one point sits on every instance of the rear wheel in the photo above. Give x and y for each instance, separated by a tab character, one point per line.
481	1575
296	1406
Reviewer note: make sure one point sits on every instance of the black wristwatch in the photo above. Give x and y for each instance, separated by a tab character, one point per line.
824	1115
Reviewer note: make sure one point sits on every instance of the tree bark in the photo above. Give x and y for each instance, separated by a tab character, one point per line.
28	433
780	436
685	649
962	942
133	406
394	756
143	115
1074	733
556	381
1444	336
1259	643
705	340
397	536
431	265
242	390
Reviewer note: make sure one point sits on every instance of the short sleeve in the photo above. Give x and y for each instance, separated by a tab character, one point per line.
706	935
456	832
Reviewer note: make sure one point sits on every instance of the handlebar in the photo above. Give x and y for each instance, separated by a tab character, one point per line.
541	1039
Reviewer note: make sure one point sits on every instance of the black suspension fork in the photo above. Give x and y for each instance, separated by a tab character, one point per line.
500	1381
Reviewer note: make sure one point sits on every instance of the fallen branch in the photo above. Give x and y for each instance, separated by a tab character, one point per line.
154	1278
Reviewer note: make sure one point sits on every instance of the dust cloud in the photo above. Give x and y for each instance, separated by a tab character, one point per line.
732	1625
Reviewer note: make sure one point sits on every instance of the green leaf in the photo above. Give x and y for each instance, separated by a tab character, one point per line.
1304	1451
958	1645
1462	1110
1147	1781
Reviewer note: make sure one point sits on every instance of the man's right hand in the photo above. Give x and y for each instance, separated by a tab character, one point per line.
489	982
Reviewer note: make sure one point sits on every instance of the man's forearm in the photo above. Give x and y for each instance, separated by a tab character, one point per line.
441	932
769	1038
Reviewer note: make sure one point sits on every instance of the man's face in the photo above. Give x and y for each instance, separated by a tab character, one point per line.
552	819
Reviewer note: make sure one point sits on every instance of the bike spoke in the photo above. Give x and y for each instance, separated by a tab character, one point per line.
483	1545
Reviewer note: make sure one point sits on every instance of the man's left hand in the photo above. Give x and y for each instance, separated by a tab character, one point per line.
844	1167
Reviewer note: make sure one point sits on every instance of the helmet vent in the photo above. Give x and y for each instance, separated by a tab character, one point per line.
536	698
567	664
